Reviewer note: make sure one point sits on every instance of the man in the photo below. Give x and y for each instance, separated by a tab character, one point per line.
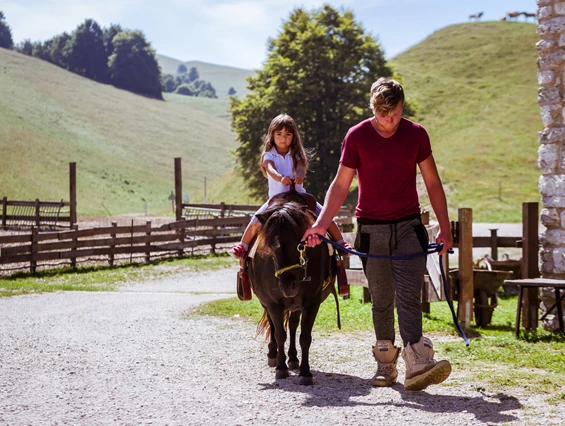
384	151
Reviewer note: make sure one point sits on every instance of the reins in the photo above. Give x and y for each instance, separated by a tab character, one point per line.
432	248
303	263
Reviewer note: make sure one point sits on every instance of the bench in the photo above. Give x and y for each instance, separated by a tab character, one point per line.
523	284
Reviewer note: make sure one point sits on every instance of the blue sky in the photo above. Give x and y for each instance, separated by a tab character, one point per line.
234	32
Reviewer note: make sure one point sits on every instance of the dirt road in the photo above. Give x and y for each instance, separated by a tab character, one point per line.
137	357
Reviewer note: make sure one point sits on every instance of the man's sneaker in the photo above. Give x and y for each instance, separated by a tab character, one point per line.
421	368
386	355
239	251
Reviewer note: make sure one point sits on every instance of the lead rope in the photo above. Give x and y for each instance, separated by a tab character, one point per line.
432	248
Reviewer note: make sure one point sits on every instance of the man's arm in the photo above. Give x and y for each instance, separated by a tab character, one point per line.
437	199
335	196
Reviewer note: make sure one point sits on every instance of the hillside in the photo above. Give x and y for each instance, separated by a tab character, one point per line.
123	144
476	84
222	77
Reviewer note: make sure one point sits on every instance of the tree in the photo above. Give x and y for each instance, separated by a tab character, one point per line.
85	52
108	35
231	92
57	49
182	69
25	47
133	65
193	75
319	70
5	33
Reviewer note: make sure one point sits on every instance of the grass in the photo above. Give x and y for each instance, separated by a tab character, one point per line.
124	145
476	85
495	359
106	278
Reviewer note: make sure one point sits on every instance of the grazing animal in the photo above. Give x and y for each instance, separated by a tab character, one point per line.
476	16
295	294
513	15
528	15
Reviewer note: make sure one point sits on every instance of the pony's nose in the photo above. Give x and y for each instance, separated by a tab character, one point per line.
289	288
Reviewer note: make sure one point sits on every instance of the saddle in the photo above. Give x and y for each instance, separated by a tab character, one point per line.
303	198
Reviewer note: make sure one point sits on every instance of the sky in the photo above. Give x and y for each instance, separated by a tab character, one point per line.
235	32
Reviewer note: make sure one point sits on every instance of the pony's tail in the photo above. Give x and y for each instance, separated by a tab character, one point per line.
263	326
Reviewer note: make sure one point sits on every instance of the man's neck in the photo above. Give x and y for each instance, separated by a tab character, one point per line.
384	132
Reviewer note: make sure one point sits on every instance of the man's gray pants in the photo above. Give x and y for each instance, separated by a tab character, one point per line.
389	277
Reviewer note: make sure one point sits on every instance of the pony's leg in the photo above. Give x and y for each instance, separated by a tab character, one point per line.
272	354
308	317
277	316
293	322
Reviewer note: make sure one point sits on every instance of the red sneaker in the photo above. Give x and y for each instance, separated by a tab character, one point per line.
239	251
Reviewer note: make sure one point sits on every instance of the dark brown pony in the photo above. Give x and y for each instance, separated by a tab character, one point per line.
296	294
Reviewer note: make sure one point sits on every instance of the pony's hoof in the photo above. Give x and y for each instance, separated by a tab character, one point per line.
281	374
305	380
272	362
293	365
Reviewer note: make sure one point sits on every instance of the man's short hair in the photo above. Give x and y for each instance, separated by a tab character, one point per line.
385	96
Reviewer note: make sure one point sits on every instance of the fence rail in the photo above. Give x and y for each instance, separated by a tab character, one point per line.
45	215
115	240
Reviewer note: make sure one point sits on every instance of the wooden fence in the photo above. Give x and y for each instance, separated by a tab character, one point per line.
107	243
44	215
119	243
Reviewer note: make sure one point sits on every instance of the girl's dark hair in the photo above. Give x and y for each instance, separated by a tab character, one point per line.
284	121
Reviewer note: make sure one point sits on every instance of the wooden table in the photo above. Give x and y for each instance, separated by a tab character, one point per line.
557	285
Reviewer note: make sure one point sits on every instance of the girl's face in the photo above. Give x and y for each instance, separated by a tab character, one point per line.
283	140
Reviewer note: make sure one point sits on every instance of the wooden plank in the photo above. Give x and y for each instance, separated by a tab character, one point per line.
178	188
538	282
32	203
73	192
500	241
530	269
466	290
356	277
42	217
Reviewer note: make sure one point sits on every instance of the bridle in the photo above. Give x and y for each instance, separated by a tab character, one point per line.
303	263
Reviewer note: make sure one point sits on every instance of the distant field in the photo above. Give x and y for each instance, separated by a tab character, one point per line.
222	77
124	145
476	84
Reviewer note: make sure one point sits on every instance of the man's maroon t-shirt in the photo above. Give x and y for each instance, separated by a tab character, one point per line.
386	168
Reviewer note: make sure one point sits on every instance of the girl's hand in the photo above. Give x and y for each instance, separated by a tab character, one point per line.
286	181
298	180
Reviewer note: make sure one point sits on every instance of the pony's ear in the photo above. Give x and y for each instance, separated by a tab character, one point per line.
262	218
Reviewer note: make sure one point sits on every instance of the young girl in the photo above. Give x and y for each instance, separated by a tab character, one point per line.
283	160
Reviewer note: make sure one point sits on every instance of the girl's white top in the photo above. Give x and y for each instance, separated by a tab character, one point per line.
284	165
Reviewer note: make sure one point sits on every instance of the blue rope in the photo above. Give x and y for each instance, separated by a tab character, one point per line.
432	248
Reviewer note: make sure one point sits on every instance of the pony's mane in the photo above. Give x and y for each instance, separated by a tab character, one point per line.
285	217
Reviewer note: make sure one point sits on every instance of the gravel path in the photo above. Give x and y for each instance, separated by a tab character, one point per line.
134	357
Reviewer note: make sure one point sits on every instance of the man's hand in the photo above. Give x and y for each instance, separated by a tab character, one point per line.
445	239
311	235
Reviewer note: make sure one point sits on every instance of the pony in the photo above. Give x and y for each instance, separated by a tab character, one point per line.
291	281
476	16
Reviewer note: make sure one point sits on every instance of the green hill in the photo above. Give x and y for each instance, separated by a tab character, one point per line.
123	144
222	77
476	84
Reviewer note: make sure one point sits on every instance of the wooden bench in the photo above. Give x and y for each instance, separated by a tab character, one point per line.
523	284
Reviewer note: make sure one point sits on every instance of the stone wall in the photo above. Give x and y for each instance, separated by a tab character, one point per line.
551	153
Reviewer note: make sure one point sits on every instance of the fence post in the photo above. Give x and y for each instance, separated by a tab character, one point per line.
530	268
465	305
37	213
73	193
214	236
148	241
4	211
181	239
112	244
74	248
178	188
33	256
494	244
